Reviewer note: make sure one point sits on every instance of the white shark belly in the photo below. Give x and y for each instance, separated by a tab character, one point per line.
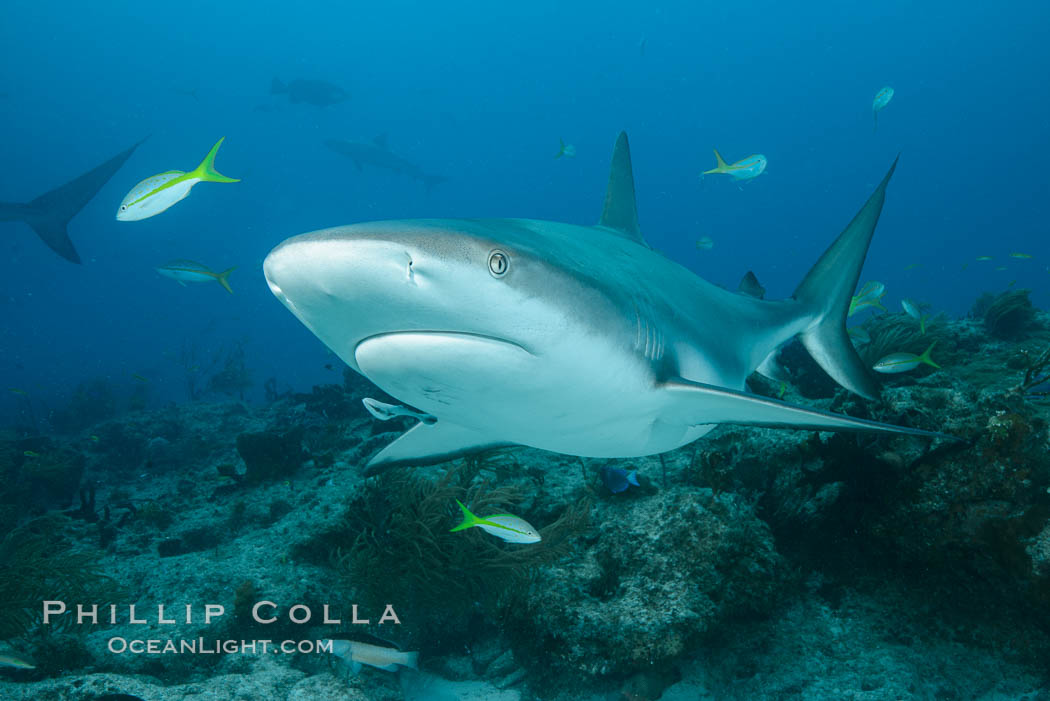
578	400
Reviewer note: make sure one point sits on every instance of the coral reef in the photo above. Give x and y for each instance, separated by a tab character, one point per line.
36	563
400	525
234	377
1007	315
754	564
269	455
92	402
651	588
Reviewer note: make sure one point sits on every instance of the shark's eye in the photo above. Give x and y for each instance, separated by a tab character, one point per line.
498	263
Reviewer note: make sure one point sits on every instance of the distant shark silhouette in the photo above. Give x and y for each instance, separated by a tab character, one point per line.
49	214
379	155
313	92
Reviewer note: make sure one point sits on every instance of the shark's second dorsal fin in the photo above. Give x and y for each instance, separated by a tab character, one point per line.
620	213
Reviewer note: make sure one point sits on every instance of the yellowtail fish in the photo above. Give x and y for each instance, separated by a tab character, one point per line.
93	438
381	656
983	258
904	362
159	192
858	334
705	243
139	377
567	150
183	271
16	660
882	98
912	310
1020	255
15	390
743	170
913	266
1000	268
870	295
508	527
30	453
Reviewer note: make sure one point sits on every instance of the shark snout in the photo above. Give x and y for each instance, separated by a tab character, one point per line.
337	276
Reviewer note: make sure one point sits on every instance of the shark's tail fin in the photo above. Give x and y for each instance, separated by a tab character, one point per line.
826	292
49	214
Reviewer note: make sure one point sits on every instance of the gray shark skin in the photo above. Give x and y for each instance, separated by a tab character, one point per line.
314	92
377	154
574	339
49	214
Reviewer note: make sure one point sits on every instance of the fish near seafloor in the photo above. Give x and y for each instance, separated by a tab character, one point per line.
15	660
377	154
508	527
183	271
869	296
580	340
618	480
905	362
314	92
386	657
912	310
49	215
159	192
745	169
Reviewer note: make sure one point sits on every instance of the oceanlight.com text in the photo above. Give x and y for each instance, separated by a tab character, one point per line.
202	646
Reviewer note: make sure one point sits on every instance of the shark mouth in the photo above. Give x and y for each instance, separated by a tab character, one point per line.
435	369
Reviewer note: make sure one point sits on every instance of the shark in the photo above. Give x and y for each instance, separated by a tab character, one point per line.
581	340
378	154
49	215
315	92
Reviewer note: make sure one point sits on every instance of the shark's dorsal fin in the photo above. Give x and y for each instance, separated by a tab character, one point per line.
620	213
751	287
380	141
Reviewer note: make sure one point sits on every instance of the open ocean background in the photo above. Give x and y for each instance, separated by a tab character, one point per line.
481	93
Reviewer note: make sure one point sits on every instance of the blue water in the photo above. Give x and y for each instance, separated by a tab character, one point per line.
481	92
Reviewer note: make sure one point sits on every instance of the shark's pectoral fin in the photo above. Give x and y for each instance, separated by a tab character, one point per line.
696	403
427	444
772	369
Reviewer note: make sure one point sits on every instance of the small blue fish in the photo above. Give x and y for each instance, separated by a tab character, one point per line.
882	98
745	169
617	480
